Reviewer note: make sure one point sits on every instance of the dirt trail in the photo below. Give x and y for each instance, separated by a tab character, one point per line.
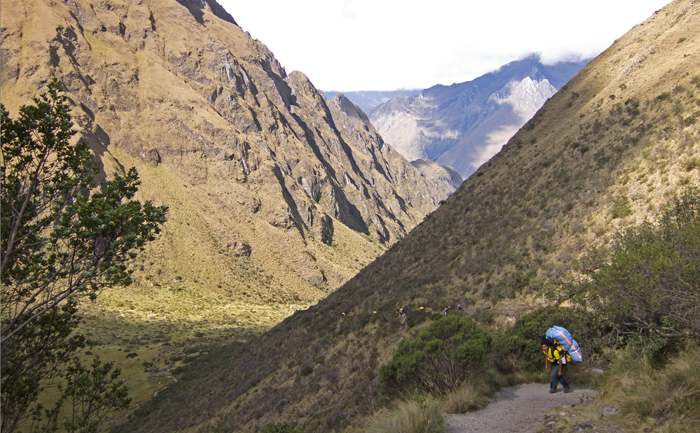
517	409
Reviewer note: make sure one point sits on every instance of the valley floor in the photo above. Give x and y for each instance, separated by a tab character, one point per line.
150	332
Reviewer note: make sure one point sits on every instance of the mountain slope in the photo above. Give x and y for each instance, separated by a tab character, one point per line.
606	152
464	124
275	193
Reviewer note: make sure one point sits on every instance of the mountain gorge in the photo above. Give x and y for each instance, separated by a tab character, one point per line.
606	152
465	124
275	193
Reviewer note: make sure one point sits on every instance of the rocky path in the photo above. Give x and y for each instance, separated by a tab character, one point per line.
517	409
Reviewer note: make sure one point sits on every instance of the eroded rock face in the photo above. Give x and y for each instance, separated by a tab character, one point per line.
178	87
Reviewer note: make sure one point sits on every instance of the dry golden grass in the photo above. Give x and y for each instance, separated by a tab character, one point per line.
468	398
416	415
650	395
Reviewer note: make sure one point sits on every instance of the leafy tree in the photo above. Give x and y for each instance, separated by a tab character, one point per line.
62	240
439	359
90	395
651	284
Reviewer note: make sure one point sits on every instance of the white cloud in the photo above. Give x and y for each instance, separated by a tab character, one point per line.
347	10
388	44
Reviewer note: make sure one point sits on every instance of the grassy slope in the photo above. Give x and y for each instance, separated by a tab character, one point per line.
605	152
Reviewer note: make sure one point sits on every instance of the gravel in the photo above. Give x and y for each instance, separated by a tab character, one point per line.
519	408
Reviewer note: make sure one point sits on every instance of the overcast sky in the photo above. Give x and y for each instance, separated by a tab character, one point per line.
350	45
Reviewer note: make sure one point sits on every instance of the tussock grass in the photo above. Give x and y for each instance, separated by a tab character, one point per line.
417	415
652	394
468	398
664	397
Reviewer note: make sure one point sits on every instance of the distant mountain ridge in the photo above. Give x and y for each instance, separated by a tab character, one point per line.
464	124
368	99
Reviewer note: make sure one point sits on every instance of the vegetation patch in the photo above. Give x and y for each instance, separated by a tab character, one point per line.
441	358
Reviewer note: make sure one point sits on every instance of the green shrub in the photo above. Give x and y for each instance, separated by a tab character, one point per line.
485	317
621	211
692	163
219	427
416	318
439	359
632	107
663	96
650	283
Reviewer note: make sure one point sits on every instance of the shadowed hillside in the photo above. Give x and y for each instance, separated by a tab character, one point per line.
606	152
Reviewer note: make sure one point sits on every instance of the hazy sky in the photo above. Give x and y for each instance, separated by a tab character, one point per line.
352	45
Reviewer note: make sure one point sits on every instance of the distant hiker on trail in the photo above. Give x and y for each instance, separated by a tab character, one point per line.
554	354
447	310
459	307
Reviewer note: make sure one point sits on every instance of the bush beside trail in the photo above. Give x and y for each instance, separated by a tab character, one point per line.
649	284
441	358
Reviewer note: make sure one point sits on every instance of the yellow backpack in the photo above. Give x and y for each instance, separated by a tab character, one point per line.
562	352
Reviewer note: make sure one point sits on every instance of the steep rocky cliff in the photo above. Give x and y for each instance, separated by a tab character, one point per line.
274	192
465	124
